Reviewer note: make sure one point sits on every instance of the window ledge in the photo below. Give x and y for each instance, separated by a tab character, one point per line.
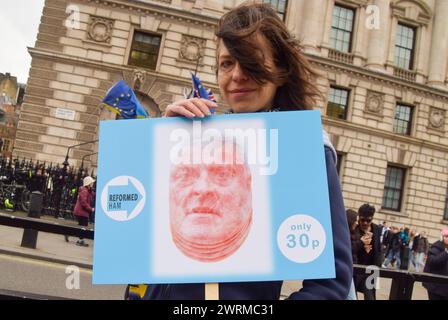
444	222
340	56
99	46
409	75
335	119
393	213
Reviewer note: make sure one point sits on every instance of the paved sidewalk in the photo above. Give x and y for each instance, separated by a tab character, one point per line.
50	247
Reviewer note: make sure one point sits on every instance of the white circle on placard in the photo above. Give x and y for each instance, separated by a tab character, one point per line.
120	210
301	238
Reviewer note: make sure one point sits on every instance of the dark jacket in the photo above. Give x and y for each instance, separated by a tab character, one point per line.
82	207
437	263
356	245
387	238
373	257
333	289
394	242
420	244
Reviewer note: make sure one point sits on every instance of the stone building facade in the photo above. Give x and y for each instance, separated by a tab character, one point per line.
8	124
9	88
11	95
383	66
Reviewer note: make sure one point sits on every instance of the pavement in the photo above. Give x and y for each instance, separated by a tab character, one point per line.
54	249
50	247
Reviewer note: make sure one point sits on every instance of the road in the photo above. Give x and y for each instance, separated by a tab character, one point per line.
47	278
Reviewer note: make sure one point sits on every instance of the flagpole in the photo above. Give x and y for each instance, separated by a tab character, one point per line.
197	65
212	291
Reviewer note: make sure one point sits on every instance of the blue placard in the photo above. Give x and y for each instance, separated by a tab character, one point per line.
241	197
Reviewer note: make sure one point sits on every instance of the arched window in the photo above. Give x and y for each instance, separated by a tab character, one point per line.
149	104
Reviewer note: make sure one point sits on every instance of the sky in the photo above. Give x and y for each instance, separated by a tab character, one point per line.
19	22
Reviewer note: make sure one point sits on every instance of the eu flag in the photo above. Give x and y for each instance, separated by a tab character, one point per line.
122	100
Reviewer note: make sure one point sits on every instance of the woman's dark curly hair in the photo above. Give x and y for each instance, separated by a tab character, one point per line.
352	217
239	28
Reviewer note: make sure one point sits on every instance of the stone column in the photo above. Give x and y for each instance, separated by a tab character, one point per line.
439	45
313	25
294	17
377	45
390	62
359	36
328	20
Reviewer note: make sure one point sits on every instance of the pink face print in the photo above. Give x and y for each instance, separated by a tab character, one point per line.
210	209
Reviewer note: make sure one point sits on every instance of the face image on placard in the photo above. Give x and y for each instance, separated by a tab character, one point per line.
211	204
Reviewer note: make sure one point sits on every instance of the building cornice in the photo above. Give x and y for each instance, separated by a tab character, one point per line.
162	9
61	57
384	134
378	77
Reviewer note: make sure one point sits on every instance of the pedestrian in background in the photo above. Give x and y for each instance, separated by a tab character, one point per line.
404	249
412	237
420	248
83	207
369	252
393	250
385	231
437	262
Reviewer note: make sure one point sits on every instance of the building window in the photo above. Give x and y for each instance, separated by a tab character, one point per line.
339	164
279	6
145	50
403	119
338	103
393	188
6	145
404	47
342	28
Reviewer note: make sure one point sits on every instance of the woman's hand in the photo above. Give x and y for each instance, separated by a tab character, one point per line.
366	239
190	108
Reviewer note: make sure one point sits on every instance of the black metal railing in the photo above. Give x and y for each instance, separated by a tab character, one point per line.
58	184
402	280
45	226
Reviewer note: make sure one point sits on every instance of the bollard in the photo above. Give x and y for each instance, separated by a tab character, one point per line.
29	238
36	203
404	257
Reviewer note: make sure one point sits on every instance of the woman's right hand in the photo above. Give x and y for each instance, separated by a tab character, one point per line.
366	239
190	108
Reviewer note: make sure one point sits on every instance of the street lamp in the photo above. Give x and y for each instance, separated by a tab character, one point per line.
87	155
65	163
